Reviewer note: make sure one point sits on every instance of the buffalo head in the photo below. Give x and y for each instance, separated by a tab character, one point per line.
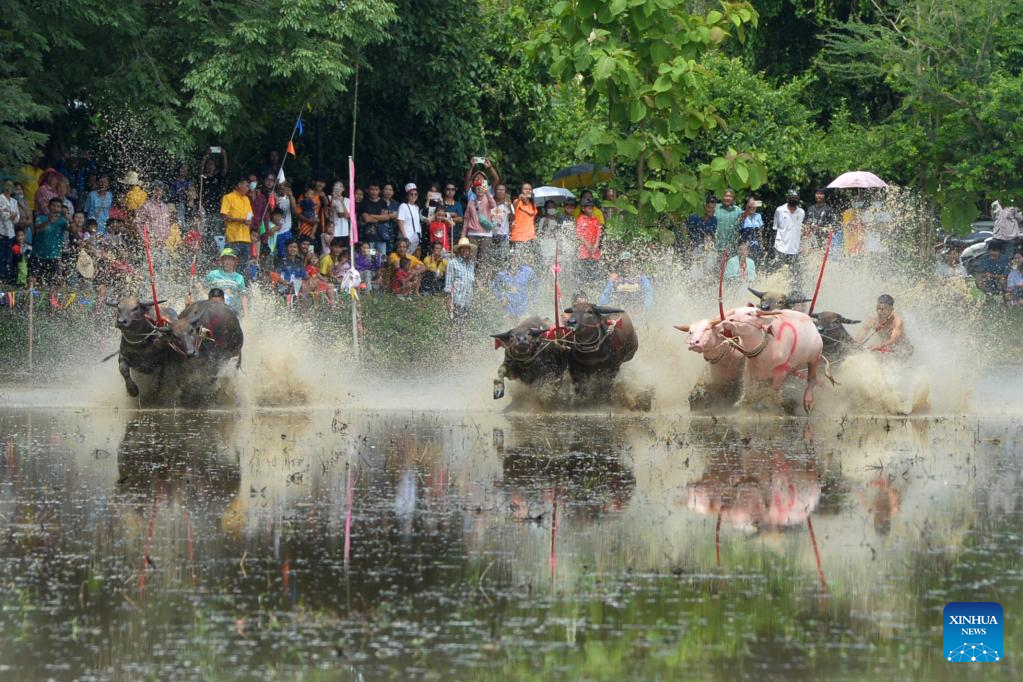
776	300
702	335
587	320
130	310
185	334
829	321
522	339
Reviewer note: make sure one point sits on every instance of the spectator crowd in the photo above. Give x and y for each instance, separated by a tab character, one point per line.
71	224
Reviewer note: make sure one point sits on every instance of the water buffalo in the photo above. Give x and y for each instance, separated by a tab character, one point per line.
208	330
725	363
837	341
143	346
598	346
775	300
531	355
777	344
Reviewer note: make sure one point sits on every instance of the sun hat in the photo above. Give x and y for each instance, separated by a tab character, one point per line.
464	242
131	178
228	253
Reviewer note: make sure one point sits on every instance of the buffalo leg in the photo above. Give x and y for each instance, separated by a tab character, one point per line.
811	381
238	364
502	371
129	385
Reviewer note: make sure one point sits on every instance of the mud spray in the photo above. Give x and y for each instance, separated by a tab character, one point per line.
291	361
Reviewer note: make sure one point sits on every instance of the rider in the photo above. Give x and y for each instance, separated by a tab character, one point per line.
888	326
628	287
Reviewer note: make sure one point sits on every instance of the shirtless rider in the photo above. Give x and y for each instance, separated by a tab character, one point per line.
888	326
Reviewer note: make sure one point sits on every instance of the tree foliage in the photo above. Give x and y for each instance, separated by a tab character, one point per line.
640	64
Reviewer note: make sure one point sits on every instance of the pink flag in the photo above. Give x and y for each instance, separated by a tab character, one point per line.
351	203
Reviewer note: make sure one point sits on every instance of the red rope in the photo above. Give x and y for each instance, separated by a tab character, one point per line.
717	537
721	285
820	277
160	321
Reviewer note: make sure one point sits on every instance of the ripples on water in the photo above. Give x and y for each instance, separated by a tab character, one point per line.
212	545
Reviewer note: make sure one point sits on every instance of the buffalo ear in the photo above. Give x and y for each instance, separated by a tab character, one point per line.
682	328
536	331
568	311
112	304
503	336
607	310
758	294
846	320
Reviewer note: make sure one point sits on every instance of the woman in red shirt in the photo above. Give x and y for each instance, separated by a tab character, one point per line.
590	233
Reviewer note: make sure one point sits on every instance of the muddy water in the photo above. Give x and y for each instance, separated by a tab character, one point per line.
330	545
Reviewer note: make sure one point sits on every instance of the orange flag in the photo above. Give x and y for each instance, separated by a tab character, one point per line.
291	148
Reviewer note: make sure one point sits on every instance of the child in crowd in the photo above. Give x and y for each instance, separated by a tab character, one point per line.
316	285
21	250
436	268
368	265
440	229
400	278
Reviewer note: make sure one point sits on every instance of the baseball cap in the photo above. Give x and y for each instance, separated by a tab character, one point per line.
228	253
411	186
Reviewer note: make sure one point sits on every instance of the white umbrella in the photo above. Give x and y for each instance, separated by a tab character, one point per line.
558	194
857	180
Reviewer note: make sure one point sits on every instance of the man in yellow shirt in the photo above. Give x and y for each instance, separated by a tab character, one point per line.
236	212
436	268
135	196
415	266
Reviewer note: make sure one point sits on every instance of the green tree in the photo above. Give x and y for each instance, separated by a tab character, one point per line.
640	64
956	66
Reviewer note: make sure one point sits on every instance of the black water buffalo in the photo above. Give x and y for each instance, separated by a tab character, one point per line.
530	355
776	300
837	341
598	346
208	330
143	344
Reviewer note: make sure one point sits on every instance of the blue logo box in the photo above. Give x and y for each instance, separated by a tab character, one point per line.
972	632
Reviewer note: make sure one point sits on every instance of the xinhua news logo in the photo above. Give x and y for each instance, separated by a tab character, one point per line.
972	632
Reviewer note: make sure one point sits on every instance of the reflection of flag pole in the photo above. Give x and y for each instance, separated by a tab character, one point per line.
349	491
554	537
717	537
816	554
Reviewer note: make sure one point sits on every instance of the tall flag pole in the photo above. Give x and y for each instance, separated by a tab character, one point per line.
353	238
289	148
557	291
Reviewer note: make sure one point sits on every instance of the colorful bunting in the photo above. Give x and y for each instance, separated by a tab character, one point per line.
291	150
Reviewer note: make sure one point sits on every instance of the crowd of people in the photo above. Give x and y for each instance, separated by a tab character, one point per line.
70	224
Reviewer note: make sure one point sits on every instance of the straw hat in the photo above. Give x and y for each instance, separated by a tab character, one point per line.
85	265
464	242
131	178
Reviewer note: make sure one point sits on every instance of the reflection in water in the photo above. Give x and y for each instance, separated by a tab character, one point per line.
332	545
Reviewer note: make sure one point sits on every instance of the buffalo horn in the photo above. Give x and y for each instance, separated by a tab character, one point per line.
768	313
758	294
815	316
112	304
846	320
682	328
607	310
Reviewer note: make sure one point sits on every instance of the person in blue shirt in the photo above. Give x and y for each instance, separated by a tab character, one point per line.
454	210
992	271
512	287
698	228
48	242
751	226
628	287
291	267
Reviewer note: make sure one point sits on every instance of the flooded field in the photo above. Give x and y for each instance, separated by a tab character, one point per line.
334	545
